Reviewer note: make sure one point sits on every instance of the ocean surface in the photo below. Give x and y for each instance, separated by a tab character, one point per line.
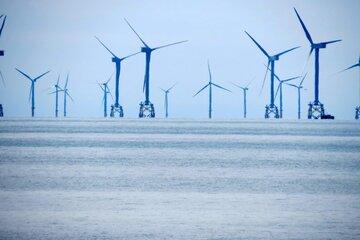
179	179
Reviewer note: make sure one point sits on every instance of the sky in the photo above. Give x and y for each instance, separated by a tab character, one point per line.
46	35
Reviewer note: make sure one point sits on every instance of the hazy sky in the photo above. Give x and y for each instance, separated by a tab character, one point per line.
59	36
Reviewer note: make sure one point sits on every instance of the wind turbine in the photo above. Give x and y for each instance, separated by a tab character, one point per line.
279	88
246	88
116	107
298	87
57	90
357	109
210	84
147	109
32	89
66	93
166	104
104	87
316	108
271	108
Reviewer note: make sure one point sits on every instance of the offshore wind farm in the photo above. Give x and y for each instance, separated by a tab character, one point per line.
157	119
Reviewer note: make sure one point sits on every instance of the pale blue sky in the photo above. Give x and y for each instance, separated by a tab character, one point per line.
59	35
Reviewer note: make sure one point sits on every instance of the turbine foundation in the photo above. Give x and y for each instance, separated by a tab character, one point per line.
316	110
147	110
271	111
114	110
357	112
1	111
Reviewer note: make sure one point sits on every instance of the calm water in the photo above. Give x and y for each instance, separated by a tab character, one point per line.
179	179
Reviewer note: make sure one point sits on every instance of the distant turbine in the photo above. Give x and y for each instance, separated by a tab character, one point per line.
316	108
147	109
57	90
246	88
32	89
271	108
166	103
104	87
117	107
298	87
357	109
66	93
210	84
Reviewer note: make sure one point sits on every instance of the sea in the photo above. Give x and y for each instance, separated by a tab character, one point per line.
179	179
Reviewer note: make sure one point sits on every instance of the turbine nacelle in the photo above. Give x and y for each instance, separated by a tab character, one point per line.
274	58
146	49
318	45
115	59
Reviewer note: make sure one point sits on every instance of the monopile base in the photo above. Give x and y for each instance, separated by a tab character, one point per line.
271	111
116	110
147	110
316	110
357	112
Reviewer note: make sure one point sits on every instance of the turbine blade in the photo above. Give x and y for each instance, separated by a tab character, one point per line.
262	86
277	90
167	45
129	56
57	83
136	33
210	77
101	87
289	79
250	82
27	76
105	47
67	93
308	36
41	75
302	80
202	89
291	49
355	65
274	73
236	85
67	79
163	89
221	87
257	44
172	86
111	96
109	78
292	85
3	23
334	41
2	78
52	92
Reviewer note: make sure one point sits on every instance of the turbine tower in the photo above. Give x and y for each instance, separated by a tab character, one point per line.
2	54
270	109
210	84
32	89
104	87
57	90
279	88
66	93
116	107
357	109
166	103
298	87
316	108
147	109
246	88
